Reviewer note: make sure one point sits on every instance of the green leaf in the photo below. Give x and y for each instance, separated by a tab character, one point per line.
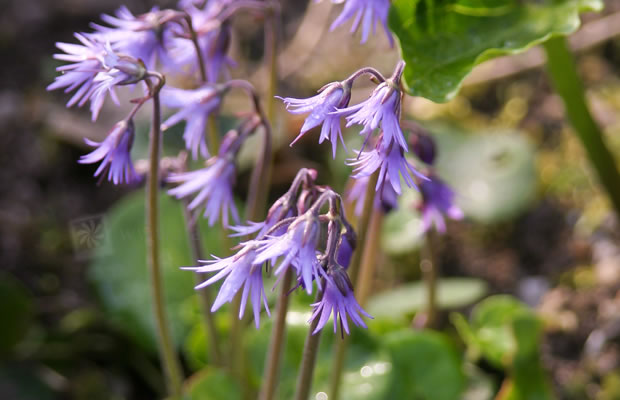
425	366
120	274
492	173
16	310
442	40
410	298
212	384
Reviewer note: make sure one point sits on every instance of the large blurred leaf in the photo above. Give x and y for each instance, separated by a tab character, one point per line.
410	298
493	174
16	310
425	366
120	274
212	384
442	40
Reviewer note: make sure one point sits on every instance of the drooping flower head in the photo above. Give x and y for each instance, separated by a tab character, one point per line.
331	97
144	37
94	70
194	106
239	270
386	200
381	108
437	200
372	12
298	247
114	154
212	186
390	160
338	299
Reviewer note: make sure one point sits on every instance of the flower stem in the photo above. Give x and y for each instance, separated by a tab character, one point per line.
362	289
430	274
271	50
204	294
354	268
276	343
169	358
565	78
308	360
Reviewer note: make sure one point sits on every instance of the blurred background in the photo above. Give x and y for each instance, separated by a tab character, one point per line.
73	282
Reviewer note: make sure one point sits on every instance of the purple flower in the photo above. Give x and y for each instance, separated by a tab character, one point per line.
239	270
195	106
390	160
214	187
114	154
213	40
437	199
373	11
338	300
298	246
330	98
142	37
383	106
95	70
345	249
387	200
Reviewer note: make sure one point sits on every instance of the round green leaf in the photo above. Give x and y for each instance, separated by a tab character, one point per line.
410	298
442	41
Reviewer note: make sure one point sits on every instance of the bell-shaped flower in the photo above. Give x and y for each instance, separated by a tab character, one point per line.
372	12
437	201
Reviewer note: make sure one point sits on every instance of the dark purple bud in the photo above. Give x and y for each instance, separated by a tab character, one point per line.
423	146
346	248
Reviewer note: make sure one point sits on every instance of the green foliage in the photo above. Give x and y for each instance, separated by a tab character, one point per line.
120	273
507	334
442	40
17	312
407	299
212	384
425	366
493	174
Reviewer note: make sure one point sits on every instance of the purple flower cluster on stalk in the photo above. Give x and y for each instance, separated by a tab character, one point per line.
292	241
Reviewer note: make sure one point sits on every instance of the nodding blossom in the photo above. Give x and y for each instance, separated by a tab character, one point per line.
437	200
333	96
194	106
298	247
212	186
372	11
382	107
144	37
239	270
94	70
114	154
386	200
390	160
213	37
338	300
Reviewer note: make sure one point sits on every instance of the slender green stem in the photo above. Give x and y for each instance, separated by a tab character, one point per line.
430	274
276	343
166	347
308	358
204	294
563	72
214	136
354	268
271	52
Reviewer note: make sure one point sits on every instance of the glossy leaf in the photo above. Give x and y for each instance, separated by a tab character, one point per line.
442	40
410	298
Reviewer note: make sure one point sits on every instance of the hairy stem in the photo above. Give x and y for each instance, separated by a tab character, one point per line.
169	358
204	294
563	72
354	268
308	360
276	343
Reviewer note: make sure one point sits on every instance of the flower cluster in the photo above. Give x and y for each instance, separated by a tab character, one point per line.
290	239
